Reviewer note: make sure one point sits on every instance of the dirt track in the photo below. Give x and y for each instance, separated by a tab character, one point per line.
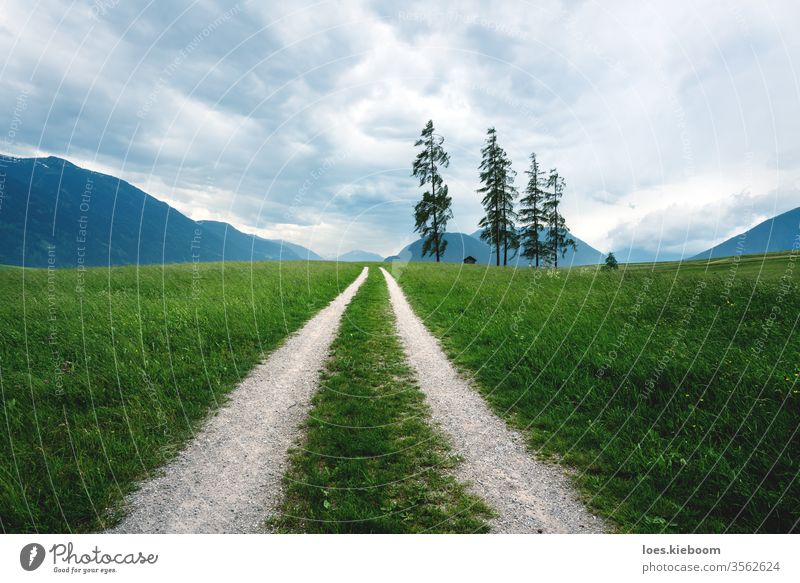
228	478
528	495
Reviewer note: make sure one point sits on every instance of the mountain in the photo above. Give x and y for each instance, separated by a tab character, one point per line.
233	245
241	246
585	254
299	250
52	210
640	254
780	233
459	245
358	256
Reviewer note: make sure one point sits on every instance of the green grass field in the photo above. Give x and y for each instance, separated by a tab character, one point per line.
673	391
370	462
99	385
768	267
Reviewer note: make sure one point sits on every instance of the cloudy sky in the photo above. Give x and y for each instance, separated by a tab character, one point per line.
676	125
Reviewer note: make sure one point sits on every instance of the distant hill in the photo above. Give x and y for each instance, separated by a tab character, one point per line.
243	246
299	250
585	254
94	219
776	234
358	255
460	245
639	254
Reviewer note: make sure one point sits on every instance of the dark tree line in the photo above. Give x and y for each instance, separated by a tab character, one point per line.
538	227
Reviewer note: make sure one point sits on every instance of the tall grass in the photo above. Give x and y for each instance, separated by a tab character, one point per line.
104	373
674	393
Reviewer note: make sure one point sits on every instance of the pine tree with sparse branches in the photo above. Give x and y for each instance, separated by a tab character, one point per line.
558	239
498	190
533	216
433	211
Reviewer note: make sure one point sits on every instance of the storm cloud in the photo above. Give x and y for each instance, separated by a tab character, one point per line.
675	125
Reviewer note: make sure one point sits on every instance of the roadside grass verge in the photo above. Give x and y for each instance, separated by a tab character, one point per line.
674	395
370	461
100	386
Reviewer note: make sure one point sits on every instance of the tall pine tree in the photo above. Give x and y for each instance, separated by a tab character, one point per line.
499	193
558	239
533	216
433	211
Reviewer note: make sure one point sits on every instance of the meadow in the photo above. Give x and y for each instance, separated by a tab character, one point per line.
104	373
770	267
671	391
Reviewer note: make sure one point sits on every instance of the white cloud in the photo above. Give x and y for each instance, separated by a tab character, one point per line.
655	114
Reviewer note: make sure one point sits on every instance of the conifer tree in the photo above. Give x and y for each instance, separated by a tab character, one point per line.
532	215
497	178
433	211
558	239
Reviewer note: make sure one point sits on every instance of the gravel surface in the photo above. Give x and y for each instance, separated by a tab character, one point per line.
228	478
528	495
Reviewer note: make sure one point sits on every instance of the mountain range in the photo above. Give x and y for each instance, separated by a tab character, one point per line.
358	256
461	245
583	254
53	212
780	233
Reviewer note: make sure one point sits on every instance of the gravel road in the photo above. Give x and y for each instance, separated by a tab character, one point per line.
228	478
528	495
